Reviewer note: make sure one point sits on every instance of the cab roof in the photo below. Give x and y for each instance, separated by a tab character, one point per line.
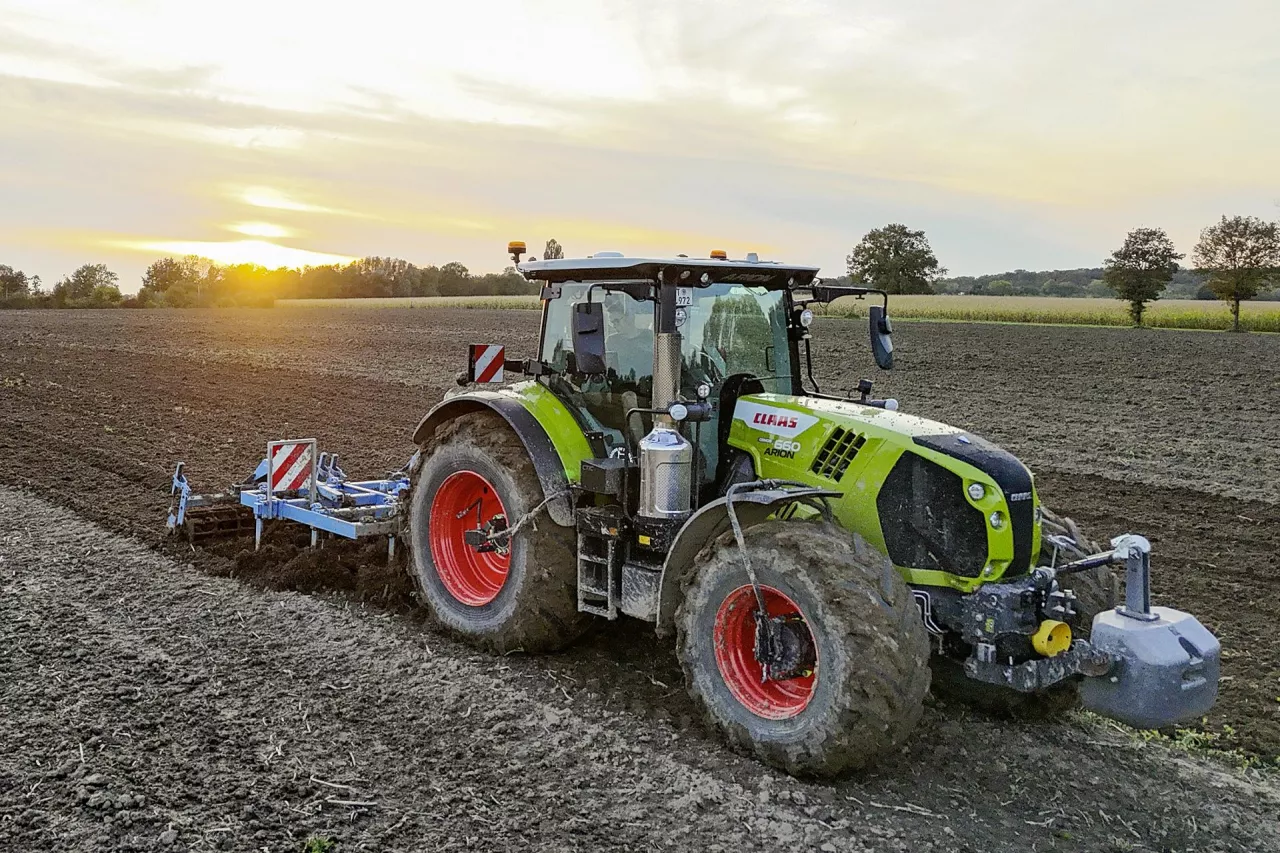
688	272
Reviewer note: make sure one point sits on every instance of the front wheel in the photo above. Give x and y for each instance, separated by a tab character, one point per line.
854	668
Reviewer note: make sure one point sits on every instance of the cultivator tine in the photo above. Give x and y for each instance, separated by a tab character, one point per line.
205	516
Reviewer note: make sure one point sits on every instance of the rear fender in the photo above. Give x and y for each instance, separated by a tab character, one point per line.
704	527
546	461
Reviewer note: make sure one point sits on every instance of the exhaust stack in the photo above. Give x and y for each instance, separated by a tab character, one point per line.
666	456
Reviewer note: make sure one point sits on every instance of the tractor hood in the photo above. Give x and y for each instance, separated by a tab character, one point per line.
947	506
821	408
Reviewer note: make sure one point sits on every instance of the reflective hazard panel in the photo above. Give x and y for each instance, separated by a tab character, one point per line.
485	363
290	464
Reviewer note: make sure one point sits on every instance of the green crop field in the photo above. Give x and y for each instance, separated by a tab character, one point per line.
1170	314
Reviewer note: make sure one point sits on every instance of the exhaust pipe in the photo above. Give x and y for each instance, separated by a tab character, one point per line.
666	456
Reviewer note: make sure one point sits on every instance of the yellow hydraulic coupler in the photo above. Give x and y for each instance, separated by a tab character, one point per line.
1052	638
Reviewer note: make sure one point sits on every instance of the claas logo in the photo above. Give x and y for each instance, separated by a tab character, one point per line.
770	419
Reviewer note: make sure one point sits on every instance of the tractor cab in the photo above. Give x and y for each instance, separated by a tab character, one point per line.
710	330
731	336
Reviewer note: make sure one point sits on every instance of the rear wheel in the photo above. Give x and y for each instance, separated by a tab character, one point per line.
506	594
853	650
1096	590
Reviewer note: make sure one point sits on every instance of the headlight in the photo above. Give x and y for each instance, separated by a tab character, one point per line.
806	318
977	491
997	520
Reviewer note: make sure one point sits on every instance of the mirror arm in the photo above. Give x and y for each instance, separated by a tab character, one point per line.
830	292
808	363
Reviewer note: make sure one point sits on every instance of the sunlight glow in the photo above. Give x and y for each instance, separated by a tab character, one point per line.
260	252
276	200
260	229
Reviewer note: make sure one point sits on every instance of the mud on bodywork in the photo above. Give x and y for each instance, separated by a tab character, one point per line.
553	438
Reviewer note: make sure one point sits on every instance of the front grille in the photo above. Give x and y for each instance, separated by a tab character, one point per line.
1010	475
836	454
927	522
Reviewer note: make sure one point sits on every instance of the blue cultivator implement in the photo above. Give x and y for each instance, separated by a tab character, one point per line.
292	483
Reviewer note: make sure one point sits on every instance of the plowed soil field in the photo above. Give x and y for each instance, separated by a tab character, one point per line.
219	703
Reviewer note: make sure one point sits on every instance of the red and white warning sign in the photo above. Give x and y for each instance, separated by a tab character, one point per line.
291	463
486	363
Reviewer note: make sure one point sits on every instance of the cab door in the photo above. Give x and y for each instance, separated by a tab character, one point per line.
601	403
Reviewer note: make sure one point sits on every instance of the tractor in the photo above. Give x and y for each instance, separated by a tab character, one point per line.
820	559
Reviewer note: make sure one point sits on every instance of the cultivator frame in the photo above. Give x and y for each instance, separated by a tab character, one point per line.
295	483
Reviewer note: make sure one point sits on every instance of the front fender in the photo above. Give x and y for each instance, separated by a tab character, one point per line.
546	460
704	527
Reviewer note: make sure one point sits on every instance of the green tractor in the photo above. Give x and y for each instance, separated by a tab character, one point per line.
668	456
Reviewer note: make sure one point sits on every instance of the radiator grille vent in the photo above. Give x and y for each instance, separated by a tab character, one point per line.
926	521
834	457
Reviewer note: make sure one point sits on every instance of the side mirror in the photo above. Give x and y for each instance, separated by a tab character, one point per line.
588	337
881	337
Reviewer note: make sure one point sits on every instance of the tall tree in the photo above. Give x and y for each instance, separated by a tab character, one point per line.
14	284
553	251
167	273
1141	268
1241	255
896	259
455	280
82	284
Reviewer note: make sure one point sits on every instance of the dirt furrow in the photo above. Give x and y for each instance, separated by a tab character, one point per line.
99	431
149	706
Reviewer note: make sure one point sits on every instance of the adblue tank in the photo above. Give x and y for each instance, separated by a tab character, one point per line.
666	474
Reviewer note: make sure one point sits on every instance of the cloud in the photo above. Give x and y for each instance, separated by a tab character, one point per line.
260	252
1016	134
260	229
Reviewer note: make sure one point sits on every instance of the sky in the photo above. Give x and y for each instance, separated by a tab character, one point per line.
1020	134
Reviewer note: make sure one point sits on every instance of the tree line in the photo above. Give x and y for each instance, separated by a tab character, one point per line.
198	282
192	282
1236	259
1085	282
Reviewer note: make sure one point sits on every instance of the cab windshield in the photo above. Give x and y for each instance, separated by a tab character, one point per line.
725	330
731	329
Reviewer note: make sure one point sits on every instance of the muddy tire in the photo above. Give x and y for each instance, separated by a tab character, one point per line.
521	600
871	672
1096	590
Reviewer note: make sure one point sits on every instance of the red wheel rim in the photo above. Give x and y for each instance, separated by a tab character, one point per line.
472	577
735	639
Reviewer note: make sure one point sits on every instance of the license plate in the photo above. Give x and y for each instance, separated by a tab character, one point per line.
684	296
